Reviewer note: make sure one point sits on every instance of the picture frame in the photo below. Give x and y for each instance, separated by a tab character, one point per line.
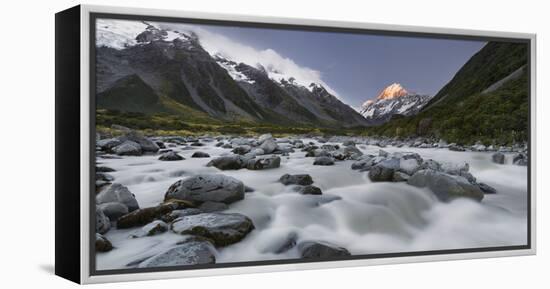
76	97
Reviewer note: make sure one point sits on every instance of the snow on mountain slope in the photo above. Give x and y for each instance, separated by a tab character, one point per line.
393	100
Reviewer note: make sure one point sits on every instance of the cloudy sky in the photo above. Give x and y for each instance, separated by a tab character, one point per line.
355	67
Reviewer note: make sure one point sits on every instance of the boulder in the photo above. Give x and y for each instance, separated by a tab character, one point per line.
207	187
114	210
268	146
119	194
234	162
498	158
145	216
144	143
400	177
171	156
379	173
409	166
102	222
241	150
151	229
102	244
300	179
128	148
262	163
456	148
309	190
264	137
209	207
171	216
486	189
197	144
348	143
445	186
223	228
191	251
323	161
311	249
520	159
200	155
108	144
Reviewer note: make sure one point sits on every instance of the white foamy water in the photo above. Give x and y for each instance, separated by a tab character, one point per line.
353	212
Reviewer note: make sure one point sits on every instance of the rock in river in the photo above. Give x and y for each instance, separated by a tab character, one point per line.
117	193
445	186
310	249
224	229
207	187
300	179
102	223
323	161
262	163
128	148
233	162
192	251
114	210
144	216
102	244
498	158
171	156
200	155
309	190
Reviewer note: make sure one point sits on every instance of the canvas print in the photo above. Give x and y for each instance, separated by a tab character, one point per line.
226	144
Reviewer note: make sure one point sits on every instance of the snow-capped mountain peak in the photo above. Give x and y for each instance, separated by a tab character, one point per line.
120	34
392	91
393	100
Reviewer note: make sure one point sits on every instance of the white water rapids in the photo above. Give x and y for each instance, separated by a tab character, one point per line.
369	218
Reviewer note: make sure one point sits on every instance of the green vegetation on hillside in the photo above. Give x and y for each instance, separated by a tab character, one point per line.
462	113
498	117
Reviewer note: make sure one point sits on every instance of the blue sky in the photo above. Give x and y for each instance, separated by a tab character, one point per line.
358	66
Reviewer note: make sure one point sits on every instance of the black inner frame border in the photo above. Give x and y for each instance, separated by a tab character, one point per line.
311	28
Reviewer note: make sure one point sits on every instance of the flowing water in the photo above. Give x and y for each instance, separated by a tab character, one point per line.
353	212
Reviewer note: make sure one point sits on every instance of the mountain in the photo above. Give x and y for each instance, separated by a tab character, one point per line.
141	67
392	101
486	100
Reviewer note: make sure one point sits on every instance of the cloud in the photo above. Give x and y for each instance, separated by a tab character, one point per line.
277	65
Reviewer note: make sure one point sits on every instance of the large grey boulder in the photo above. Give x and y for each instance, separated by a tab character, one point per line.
300	179
171	156
207	187
102	222
498	158
262	163
311	249
233	162
445	186
200	155
128	148
379	173
108	144
264	137
268	146
117	193
209	207
323	161
241	150
145	144
114	210
223	228
192	251
409	166
309	190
